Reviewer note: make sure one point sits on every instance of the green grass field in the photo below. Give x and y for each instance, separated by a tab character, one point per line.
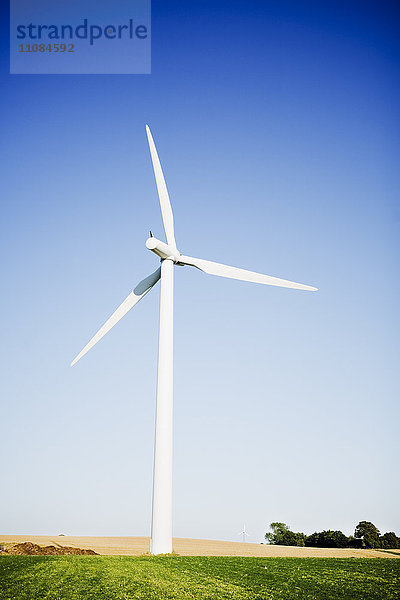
211	578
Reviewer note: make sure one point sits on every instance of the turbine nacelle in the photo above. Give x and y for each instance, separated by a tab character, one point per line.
162	249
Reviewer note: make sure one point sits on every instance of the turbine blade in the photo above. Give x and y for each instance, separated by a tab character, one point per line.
214	268
140	290
166	210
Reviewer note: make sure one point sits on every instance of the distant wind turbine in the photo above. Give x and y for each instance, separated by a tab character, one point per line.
243	533
161	532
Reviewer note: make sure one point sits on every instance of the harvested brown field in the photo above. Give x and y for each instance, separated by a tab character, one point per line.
133	546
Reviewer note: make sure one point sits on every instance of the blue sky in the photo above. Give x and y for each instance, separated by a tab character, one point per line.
277	128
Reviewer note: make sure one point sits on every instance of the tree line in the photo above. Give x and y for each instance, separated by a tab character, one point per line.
366	535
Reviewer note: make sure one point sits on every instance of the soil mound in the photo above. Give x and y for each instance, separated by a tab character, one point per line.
30	548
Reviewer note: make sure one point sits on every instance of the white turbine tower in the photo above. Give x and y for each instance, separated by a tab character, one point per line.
161	531
243	534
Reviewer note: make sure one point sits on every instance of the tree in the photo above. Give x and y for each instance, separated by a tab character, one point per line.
369	534
353	542
282	535
327	539
389	540
300	539
279	530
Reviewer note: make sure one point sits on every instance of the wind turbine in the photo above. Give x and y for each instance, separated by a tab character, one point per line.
243	533
161	530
